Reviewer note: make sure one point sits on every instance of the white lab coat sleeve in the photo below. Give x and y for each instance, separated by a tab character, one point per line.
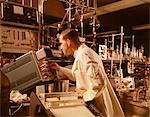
94	83
67	73
89	72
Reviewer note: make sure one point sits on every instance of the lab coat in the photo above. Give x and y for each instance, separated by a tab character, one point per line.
93	82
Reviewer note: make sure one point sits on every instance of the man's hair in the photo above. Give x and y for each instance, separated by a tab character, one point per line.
72	35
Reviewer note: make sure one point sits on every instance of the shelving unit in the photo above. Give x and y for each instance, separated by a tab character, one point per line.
142	78
18	28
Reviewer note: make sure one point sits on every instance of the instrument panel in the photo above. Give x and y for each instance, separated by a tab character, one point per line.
13	39
13	12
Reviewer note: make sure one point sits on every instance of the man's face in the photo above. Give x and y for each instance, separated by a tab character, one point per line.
65	46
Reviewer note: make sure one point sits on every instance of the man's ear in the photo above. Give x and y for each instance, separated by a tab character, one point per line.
68	42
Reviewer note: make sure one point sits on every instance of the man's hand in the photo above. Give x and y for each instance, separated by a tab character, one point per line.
54	65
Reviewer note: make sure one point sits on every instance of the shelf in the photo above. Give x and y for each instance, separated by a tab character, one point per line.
8	23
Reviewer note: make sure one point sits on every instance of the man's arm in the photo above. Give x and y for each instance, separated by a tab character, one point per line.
63	71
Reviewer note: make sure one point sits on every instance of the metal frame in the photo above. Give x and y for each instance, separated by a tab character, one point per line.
121	45
82	6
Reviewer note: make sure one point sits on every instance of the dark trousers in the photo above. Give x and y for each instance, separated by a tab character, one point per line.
90	105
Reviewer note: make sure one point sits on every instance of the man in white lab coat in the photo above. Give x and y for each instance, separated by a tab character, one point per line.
89	74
